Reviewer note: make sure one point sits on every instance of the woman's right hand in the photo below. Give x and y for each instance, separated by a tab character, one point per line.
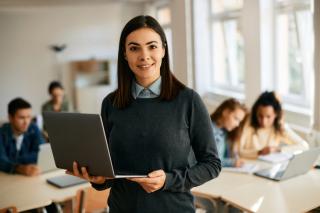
269	149
238	163
85	175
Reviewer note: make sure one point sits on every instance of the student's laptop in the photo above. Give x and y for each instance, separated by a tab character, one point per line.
46	164
64	181
81	138
297	165
45	159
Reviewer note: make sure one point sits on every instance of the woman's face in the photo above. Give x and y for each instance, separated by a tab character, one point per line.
144	52
232	119
266	116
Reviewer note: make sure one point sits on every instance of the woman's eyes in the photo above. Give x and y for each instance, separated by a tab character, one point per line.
135	48
153	46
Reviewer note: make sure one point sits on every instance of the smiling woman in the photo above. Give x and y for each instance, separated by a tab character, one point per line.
144	53
152	122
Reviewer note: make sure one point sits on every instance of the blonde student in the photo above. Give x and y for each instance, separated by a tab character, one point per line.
265	132
227	122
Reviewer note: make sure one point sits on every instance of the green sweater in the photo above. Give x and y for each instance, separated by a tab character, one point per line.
151	134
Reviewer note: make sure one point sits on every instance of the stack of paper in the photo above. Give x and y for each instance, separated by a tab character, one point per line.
276	157
245	168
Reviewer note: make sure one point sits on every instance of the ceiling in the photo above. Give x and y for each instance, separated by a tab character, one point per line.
23	3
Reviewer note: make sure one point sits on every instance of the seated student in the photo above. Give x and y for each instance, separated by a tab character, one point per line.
265	132
227	122
58	102
19	140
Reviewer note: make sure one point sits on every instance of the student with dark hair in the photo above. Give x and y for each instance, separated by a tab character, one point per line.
152	121
58	102
266	132
227	122
19	140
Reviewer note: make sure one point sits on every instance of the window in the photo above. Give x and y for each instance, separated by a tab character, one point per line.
294	51
163	15
278	39
227	45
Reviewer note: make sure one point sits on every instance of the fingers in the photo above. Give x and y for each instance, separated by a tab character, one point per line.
151	177
75	169
85	173
156	173
31	170
140	180
35	170
153	182
98	179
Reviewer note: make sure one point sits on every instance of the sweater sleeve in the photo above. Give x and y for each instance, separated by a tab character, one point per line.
208	164
107	184
294	140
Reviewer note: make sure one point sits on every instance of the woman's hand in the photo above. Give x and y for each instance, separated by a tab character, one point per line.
268	150
238	163
153	182
84	174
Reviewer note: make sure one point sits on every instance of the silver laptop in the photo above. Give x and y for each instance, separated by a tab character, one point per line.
299	164
81	138
45	159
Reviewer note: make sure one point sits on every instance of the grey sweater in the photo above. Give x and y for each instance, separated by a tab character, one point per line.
152	134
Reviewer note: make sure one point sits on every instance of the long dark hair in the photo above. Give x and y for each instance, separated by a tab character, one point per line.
267	99
170	86
230	104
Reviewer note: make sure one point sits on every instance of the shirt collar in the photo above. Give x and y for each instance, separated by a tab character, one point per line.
155	88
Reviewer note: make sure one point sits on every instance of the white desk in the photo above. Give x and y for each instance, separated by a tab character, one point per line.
298	194
256	194
227	181
33	192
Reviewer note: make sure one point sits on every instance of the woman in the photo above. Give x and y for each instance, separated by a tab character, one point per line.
227	122
266	133
152	121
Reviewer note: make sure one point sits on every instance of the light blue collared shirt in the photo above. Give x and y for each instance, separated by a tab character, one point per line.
152	91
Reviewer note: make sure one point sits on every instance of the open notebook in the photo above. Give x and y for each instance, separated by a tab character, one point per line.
245	168
276	157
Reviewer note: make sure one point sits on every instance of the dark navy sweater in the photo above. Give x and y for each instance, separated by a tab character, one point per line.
151	134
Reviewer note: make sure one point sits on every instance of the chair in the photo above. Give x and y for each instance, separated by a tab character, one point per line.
205	202
90	200
11	209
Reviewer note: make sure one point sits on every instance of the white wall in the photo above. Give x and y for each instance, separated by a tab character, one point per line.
27	63
182	41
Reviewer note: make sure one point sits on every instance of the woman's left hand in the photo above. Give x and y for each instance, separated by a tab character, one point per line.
153	182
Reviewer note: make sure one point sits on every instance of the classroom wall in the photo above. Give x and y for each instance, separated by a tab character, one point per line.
27	64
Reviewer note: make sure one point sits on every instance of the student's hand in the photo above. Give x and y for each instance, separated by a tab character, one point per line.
28	169
238	163
153	182
85	175
268	150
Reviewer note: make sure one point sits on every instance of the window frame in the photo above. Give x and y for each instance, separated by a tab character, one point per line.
221	17
302	102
